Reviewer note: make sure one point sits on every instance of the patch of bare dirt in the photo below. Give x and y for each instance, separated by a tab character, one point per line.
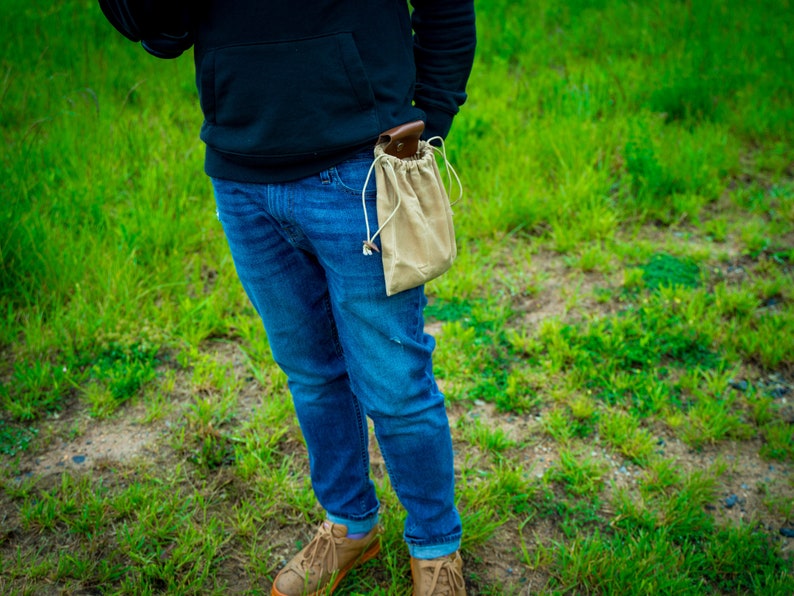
500	562
562	291
96	443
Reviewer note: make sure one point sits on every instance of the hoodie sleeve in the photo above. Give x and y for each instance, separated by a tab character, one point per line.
165	29
444	43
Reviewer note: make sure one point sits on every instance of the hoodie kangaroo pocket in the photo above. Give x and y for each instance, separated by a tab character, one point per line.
273	101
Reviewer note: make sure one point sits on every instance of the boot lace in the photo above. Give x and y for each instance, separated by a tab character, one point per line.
446	580
321	554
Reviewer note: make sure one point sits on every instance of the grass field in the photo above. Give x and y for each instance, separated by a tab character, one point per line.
616	340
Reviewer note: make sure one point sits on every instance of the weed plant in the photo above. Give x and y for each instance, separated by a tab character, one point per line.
615	341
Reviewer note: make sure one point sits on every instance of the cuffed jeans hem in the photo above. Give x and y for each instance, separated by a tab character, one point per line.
433	551
354	526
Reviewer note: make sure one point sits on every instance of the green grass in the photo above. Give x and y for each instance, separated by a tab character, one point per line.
615	341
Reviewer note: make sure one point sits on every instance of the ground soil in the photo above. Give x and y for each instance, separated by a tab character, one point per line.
80	444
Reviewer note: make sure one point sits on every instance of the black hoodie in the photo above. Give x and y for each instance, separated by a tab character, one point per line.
290	88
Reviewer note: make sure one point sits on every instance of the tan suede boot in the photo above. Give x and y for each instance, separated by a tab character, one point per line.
437	577
322	564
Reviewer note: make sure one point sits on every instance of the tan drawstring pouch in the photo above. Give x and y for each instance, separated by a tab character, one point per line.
417	236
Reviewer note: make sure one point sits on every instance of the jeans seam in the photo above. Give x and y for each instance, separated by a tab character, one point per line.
328	308
336	178
362	437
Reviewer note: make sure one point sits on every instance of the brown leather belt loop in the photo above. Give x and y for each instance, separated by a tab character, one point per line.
402	141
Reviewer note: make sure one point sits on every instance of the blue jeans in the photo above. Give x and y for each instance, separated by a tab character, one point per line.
349	351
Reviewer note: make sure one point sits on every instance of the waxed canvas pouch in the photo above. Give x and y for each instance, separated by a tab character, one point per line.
417	235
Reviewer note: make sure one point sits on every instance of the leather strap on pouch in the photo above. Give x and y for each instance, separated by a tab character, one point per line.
402	141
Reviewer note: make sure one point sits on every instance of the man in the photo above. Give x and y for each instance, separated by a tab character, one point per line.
294	96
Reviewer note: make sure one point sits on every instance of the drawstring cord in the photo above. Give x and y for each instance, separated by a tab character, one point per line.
369	246
448	166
